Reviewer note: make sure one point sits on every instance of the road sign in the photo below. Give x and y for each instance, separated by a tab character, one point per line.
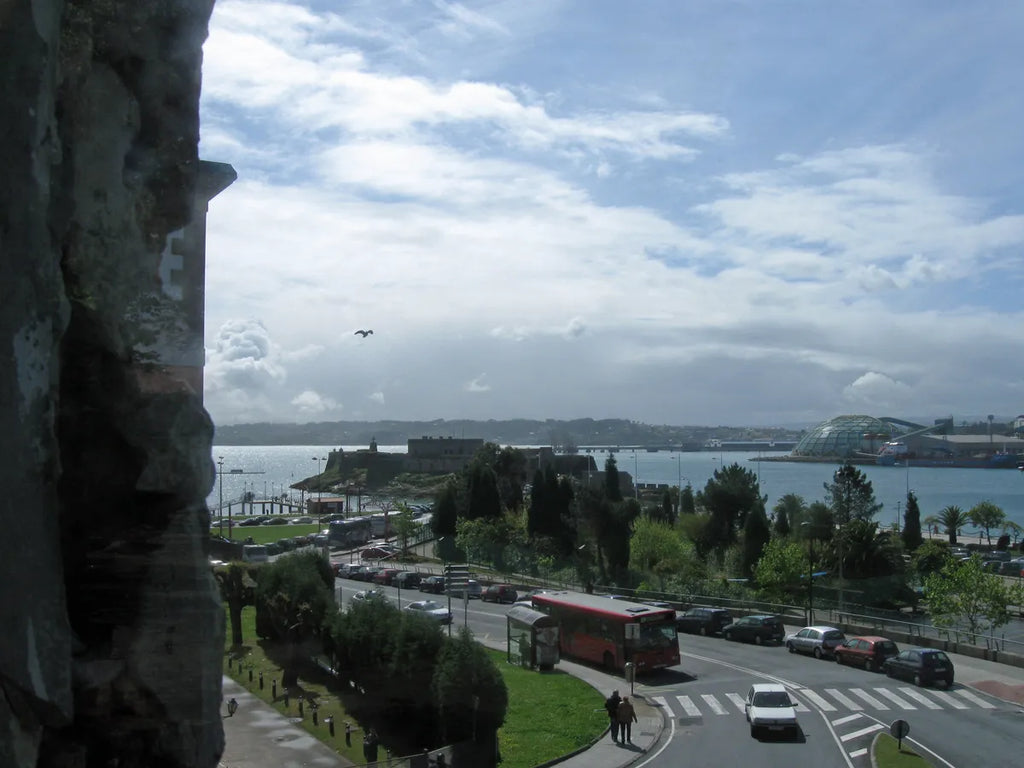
456	576
899	730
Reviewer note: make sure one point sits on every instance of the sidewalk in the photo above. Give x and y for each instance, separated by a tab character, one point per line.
258	736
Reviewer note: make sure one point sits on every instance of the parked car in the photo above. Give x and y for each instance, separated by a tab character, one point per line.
353	571
302	521
386	576
923	666
249	521
1011	568
381	552
703	621
769	709
434	584
408	579
500	593
473	589
868	651
430	608
756	629
255	553
286	544
818	641
276	521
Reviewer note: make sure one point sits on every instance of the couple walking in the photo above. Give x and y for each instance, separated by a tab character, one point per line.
621	717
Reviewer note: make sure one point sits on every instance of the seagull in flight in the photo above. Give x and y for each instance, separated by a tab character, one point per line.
363	333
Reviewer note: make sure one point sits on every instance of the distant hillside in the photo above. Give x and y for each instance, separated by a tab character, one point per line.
557	433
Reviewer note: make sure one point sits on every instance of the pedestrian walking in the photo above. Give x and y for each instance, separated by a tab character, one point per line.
627	716
611	704
370	743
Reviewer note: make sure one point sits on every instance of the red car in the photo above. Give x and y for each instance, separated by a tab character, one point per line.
500	593
385	576
868	651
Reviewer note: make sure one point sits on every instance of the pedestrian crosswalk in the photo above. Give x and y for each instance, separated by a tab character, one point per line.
831	700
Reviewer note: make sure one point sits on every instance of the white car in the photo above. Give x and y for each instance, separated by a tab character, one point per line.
769	709
370	594
430	608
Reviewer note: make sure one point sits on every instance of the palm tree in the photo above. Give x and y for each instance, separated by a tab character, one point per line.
952	518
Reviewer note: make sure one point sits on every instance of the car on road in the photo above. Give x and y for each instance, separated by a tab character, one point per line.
703	621
370	594
922	666
868	651
472	589
408	580
430	608
819	641
381	552
770	710
386	576
500	593
756	629
302	521
433	584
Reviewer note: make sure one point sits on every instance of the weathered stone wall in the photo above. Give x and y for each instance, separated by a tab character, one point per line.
111	627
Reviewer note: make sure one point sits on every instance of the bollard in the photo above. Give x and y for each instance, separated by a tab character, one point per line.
250	674
348	734
273	689
300	706
286	697
330	725
314	716
261	679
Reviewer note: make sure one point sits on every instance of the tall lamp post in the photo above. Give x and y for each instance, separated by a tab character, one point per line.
810	570
220	504
319	502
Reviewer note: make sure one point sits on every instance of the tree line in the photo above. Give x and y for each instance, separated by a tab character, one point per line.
719	540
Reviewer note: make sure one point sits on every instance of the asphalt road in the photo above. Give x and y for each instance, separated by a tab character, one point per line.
841	708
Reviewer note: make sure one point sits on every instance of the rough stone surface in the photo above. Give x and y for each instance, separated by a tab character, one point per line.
112	630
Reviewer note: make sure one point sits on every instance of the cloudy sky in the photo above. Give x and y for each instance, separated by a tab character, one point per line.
742	212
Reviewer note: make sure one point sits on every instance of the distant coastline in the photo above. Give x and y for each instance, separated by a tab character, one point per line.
560	434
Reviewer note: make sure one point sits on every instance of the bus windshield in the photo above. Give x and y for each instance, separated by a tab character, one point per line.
654	636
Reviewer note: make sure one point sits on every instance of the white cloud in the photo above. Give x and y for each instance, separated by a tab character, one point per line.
500	188
310	403
878	391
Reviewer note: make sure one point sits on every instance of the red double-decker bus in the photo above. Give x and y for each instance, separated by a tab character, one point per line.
612	632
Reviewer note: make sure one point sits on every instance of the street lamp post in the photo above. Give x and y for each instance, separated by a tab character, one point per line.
220	504
319	502
810	571
636	476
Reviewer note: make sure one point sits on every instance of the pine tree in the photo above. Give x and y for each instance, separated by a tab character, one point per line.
911	533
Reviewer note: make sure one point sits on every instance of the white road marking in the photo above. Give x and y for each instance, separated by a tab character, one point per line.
976	699
712	702
688	706
843	699
902	703
862	732
871	700
818	701
918	696
859	752
739	701
845	720
948	699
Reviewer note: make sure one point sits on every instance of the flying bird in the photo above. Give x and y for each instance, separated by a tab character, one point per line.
363	333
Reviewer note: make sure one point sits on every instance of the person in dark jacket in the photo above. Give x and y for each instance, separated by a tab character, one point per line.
611	704
626	716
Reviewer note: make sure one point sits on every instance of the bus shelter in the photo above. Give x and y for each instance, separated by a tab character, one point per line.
532	638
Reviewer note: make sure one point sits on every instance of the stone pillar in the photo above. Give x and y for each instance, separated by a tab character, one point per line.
112	627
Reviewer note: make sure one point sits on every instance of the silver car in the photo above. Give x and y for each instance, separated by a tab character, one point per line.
818	641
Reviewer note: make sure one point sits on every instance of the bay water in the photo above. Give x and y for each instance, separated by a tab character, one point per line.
270	470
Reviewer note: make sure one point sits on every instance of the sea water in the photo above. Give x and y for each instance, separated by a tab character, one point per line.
270	470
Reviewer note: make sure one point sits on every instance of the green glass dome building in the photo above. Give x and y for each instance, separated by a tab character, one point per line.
844	437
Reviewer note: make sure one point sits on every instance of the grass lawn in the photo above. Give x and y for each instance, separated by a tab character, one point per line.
549	715
887	755
264	534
